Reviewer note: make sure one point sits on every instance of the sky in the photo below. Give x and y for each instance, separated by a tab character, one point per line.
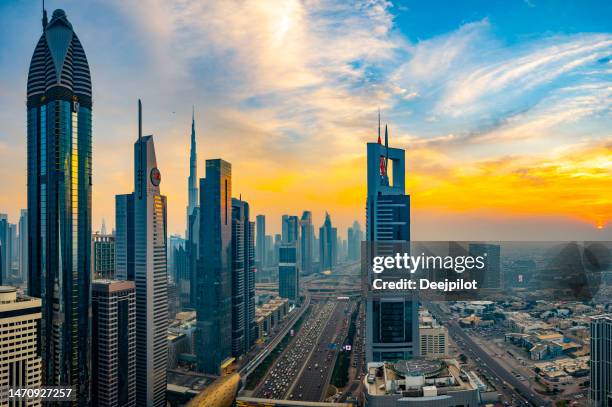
504	107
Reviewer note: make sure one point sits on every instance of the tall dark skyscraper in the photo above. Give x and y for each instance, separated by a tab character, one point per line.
243	279
214	276
391	319
328	244
192	186
261	252
289	271
141	248
59	103
601	361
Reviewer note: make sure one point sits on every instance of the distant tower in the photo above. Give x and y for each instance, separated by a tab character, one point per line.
140	247
192	185
391	319
59	115
306	242
328	244
261	252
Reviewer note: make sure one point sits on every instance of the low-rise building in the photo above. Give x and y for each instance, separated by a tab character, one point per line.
419	382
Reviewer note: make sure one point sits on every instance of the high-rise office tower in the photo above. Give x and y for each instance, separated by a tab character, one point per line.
188	287
59	109
243	279
328	244
490	277
192	181
5	249
174	242
306	242
289	271
277	242
141	230
23	246
290	228
601	361
269	250
181	267
391	319
113	359
20	362
354	238
214	277
261	252
103	255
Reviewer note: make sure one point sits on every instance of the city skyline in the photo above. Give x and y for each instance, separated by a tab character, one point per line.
502	169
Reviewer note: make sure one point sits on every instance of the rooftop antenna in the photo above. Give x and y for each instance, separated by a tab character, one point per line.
139	119
386	148
44	17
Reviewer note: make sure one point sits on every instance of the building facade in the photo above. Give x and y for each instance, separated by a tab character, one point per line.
113	343
306	242
261	251
328	244
289	272
103	255
21	364
601	361
391	319
213	289
23	246
59	112
141	248
243	279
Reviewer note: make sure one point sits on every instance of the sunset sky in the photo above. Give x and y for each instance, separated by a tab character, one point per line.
504	107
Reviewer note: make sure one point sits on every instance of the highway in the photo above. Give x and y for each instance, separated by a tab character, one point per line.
311	383
488	364
250	366
282	374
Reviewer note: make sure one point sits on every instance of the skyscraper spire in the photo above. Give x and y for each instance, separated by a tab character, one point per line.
139	119
386	149
44	16
192	188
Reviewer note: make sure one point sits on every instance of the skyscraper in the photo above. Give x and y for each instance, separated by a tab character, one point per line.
23	246
306	242
289	272
141	257
354	238
5	249
328	244
189	287
59	108
243	279
192	186
20	362
103	254
214	276
113	360
391	319
261	252
601	360
290	228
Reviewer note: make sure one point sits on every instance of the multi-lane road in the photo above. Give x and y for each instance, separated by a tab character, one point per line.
281	376
311	384
487	363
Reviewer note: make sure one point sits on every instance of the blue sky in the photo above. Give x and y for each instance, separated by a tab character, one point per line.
514	95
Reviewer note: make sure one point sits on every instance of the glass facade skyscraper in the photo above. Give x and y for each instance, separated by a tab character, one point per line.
213	289
141	250
59	106
391	319
601	361
328	244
